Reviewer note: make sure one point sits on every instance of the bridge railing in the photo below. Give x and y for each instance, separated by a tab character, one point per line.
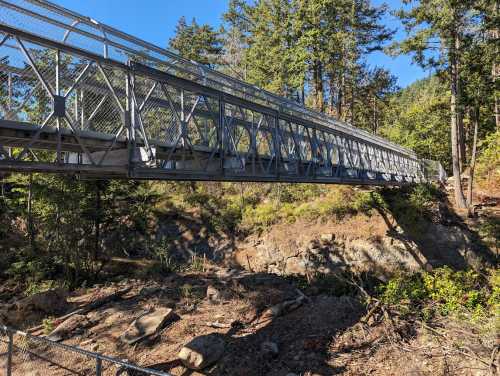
23	354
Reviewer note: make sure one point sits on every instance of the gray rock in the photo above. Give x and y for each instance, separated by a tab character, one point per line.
269	348
214	295
149	290
327	238
147	325
49	302
68	327
202	351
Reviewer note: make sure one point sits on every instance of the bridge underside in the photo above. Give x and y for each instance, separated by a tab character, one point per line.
68	109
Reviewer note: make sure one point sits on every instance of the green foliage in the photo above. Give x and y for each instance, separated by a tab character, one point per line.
312	203
36	287
196	264
406	291
197	42
313	51
164	263
48	325
488	163
418	118
444	292
455	290
76	225
220	212
411	206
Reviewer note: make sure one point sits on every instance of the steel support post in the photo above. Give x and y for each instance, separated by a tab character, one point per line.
9	352
98	367
221	132
130	117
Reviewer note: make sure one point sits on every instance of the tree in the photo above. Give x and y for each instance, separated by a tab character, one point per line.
308	48
435	37
417	117
196	42
272	58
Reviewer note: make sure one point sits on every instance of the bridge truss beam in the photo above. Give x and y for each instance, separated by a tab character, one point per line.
66	109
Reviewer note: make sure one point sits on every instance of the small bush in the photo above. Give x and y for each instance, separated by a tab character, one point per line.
444	292
36	287
48	325
260	217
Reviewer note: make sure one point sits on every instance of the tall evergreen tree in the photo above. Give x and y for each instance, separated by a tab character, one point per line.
436	34
200	43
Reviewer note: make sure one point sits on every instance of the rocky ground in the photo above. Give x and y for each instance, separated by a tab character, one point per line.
242	324
262	313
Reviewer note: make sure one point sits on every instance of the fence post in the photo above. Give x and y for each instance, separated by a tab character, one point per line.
98	367
9	352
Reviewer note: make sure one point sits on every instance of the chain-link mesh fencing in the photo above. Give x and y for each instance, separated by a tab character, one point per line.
22	354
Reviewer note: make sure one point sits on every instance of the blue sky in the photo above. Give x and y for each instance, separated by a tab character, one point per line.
155	20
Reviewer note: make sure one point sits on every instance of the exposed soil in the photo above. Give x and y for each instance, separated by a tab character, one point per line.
326	335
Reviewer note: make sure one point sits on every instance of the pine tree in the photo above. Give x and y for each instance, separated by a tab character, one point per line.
200	43
436	34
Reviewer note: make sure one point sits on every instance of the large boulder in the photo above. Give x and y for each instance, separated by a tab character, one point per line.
35	307
203	351
51	302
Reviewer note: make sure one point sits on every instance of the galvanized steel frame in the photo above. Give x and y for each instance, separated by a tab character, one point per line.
177	119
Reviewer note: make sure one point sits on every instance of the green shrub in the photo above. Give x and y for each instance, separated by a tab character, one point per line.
407	292
48	325
36	287
443	291
261	216
455	290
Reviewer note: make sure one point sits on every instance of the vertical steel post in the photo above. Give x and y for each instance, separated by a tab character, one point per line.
221	132
98	367
9	352
58	93
277	144
10	91
129	117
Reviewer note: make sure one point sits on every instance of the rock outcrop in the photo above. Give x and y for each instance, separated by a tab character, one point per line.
359	244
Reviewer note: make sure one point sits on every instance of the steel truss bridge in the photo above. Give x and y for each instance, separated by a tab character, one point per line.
80	97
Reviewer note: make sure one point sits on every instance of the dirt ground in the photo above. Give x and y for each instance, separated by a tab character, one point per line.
325	335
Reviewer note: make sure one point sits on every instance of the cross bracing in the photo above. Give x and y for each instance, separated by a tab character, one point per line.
80	97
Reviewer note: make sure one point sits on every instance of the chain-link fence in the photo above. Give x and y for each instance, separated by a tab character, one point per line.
22	354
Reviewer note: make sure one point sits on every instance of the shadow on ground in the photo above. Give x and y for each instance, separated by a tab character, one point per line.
438	233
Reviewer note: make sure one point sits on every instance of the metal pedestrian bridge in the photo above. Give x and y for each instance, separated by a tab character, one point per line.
80	97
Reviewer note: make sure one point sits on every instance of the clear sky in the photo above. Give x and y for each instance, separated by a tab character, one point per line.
155	20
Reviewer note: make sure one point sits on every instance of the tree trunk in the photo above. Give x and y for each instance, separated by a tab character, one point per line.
473	159
495	69
459	110
353	99
341	100
318	86
97	223
455	146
